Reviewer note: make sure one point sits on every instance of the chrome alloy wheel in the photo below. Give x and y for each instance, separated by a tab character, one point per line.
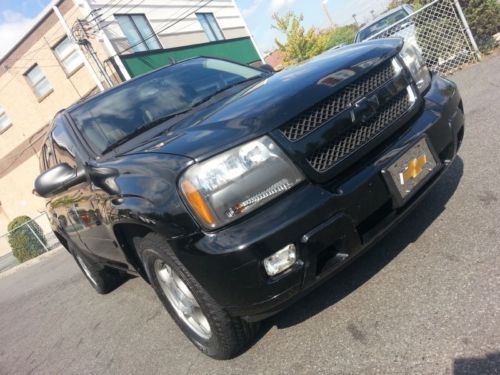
182	300
86	269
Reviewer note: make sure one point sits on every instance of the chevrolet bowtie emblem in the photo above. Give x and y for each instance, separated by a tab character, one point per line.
364	109
413	169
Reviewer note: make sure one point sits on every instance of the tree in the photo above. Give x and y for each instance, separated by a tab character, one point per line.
300	44
25	241
483	17
341	35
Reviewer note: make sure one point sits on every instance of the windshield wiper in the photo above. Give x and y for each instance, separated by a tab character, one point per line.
143	128
207	98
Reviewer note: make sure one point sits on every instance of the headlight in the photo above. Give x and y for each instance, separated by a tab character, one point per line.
412	56
236	182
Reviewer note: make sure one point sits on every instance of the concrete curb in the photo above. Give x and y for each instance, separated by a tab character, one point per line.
31	262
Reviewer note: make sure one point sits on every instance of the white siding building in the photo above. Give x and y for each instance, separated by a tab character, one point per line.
147	34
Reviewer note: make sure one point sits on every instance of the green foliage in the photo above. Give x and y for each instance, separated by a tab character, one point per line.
341	35
395	3
483	17
300	44
22	241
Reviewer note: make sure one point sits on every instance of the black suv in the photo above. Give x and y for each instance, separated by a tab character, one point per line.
234	191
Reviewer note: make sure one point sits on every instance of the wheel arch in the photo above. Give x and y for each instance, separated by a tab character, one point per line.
125	234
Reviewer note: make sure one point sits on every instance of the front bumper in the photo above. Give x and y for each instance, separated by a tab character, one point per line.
330	224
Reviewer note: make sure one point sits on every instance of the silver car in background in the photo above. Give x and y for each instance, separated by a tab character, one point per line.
405	29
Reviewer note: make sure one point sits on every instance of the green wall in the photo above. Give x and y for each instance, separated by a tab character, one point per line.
240	50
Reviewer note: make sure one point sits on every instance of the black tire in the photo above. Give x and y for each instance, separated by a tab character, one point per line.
229	335
103	279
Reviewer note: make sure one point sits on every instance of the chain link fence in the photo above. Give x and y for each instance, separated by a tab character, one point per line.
442	32
37	231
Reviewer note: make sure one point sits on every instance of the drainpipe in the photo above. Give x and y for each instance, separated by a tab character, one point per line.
248	31
86	62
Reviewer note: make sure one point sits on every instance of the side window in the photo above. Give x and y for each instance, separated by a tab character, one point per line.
61	143
44	165
47	156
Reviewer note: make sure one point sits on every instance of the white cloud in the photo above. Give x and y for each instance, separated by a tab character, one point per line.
277	5
252	8
12	26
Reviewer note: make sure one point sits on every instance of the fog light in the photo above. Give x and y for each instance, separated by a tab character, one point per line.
281	260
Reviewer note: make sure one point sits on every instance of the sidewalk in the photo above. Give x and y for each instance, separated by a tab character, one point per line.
9	264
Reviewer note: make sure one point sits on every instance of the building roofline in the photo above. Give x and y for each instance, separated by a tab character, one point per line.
44	14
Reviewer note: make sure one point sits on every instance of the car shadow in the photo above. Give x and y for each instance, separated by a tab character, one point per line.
369	264
489	364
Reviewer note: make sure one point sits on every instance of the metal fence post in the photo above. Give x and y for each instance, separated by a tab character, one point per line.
460	12
39	240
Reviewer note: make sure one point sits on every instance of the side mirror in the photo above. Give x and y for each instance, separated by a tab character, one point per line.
267	68
58	178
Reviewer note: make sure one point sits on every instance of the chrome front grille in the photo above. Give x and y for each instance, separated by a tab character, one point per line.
325	110
354	138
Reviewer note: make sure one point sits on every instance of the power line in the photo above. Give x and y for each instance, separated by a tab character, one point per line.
119	9
163	28
98	17
112	7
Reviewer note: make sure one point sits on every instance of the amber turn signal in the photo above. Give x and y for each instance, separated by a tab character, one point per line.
197	202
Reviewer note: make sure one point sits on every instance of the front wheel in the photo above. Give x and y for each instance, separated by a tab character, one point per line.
203	321
101	278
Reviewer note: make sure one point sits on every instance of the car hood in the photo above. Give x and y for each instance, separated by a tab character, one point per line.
268	104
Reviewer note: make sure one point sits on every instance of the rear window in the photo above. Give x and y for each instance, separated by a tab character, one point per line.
109	118
381	25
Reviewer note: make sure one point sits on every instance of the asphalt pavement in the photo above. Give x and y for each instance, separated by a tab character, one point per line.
424	300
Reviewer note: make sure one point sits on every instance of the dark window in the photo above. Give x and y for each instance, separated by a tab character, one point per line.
62	145
138	32
210	25
111	117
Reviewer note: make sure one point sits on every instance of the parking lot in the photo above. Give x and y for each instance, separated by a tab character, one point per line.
424	300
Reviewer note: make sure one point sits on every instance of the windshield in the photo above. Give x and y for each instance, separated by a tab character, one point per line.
121	112
381	25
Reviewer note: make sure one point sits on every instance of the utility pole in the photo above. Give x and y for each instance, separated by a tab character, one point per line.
327	12
355	20
83	40
86	62
103	38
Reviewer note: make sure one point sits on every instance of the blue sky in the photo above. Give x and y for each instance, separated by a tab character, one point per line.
17	15
28	8
258	14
